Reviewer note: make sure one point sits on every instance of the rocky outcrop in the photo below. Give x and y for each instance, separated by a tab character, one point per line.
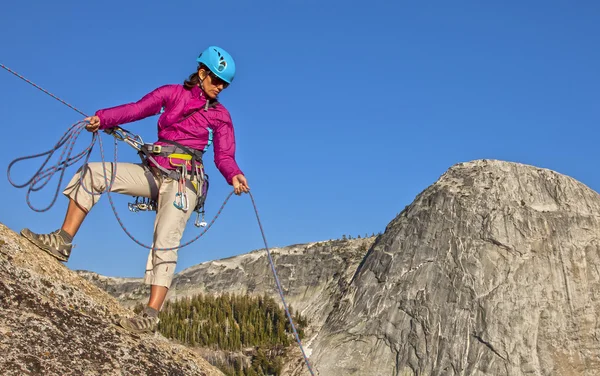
53	322
312	275
493	270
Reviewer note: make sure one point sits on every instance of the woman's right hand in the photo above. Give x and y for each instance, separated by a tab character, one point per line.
240	184
93	123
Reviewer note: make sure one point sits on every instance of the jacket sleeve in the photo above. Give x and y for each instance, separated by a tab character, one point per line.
224	148
150	104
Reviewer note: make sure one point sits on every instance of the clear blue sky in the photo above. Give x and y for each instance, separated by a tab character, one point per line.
344	111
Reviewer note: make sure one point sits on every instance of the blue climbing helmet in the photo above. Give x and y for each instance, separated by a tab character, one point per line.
219	62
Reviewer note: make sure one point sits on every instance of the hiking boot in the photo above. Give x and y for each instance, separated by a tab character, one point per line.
53	243
145	322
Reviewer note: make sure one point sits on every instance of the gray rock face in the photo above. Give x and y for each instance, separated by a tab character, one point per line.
493	270
53	322
312	276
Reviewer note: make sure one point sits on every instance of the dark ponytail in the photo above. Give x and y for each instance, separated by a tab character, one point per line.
193	80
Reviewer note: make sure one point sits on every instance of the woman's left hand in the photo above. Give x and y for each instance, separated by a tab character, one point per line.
240	184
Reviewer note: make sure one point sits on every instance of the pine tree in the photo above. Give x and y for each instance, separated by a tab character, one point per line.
230	322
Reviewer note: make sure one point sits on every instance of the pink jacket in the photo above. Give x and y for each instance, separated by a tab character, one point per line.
183	120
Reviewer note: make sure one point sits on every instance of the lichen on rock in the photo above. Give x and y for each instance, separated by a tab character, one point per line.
54	322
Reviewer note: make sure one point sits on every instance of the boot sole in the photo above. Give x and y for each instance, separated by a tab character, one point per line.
43	247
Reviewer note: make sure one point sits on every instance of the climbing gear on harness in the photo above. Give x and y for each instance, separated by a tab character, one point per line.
135	141
173	151
192	161
53	243
219	62
71	136
183	203
142	204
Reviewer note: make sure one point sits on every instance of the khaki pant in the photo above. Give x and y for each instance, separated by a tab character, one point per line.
136	180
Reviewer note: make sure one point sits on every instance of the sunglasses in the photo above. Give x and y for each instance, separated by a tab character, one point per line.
217	81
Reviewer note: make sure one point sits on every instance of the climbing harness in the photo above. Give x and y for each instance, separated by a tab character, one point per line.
44	175
191	160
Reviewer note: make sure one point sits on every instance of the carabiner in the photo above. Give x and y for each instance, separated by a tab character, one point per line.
175	203
198	223
186	202
182	192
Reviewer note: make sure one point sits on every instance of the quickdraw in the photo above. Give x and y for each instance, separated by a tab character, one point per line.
135	141
181	198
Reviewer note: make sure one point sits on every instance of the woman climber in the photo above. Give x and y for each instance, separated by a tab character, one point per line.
192	119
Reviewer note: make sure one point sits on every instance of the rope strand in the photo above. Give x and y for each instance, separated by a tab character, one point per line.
272	263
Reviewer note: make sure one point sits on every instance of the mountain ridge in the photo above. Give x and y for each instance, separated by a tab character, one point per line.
482	274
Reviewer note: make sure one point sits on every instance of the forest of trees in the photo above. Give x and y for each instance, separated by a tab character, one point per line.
349	237
233	323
